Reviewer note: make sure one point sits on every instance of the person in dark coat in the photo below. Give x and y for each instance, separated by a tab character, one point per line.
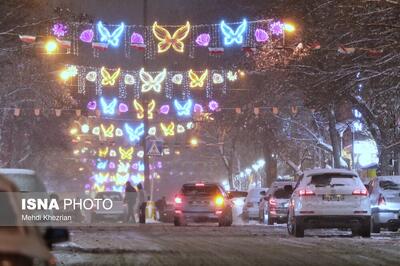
142	203
130	200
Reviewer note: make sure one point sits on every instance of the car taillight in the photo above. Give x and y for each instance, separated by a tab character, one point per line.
219	201
381	200
306	192
360	192
272	201
178	200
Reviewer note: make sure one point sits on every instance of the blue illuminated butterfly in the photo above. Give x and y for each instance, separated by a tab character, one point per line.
185	109
134	134
106	36
108	108
101	165
231	36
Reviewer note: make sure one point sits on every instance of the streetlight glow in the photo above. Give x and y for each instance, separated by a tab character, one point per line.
289	27
194	142
51	46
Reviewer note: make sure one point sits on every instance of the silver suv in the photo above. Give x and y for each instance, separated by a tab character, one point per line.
202	202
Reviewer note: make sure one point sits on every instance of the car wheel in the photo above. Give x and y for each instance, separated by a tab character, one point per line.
177	222
366	229
290	224
226	219
298	228
376	228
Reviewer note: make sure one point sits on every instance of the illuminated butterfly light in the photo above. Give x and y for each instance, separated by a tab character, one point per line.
119	132
180	129
217	78
230	36
59	30
121	179
166	41
110	38
109	79
177	79
150	83
213	105
140	110
198	108
164	109
137	38
203	39
101	177
123	108
276	28
129	79
91	76
190	125
109	131
231	76
123	167
152	131
134	134
195	80
125	154
185	109
261	35
108	108
92	105
168	130
101	165
103	152
87	36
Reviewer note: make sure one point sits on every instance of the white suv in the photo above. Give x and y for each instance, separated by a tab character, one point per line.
329	198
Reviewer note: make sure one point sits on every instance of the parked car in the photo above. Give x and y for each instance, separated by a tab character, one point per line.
25	179
385	203
329	198
118	212
251	206
237	198
274	205
202	202
21	244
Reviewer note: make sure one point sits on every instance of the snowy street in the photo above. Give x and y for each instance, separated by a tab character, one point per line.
208	244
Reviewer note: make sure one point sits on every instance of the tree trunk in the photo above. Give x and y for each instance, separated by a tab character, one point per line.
271	166
335	138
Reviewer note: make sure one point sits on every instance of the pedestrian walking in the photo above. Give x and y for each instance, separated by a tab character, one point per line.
141	203
130	200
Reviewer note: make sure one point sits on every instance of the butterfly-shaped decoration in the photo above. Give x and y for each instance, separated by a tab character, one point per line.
140	110
129	79
231	36
231	76
120	179
107	132
166	41
125	154
103	152
99	187
149	83
152	131
134	134
102	164
180	129
217	78
110	38
91	76
123	167
108	108
177	79
197	81
185	109
190	125
100	178
168	130
113	153
109	79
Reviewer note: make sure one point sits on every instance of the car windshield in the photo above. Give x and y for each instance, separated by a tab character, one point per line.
389	185
200	190
281	193
333	180
111	196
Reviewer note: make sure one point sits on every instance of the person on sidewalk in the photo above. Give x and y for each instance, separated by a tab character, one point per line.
141	203
130	200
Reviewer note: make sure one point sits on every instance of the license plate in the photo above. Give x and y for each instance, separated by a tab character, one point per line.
333	197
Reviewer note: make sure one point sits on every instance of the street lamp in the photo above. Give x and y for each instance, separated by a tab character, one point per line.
289	27
51	46
194	142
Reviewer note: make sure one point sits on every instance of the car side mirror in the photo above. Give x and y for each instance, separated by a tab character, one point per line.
56	235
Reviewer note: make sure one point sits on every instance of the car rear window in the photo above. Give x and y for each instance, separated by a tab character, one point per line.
389	185
200	190
281	193
333	180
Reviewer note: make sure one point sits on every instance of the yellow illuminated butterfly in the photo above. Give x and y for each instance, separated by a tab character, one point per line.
168	130
167	41
195	80
103	152
125	154
107	132
140	111
150	83
99	188
109	79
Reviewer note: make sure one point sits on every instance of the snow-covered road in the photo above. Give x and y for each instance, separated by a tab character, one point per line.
205	244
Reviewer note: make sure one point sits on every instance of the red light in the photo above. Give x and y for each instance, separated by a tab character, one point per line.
360	192
306	192
178	211
381	200
178	200
218	212
199	184
272	202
